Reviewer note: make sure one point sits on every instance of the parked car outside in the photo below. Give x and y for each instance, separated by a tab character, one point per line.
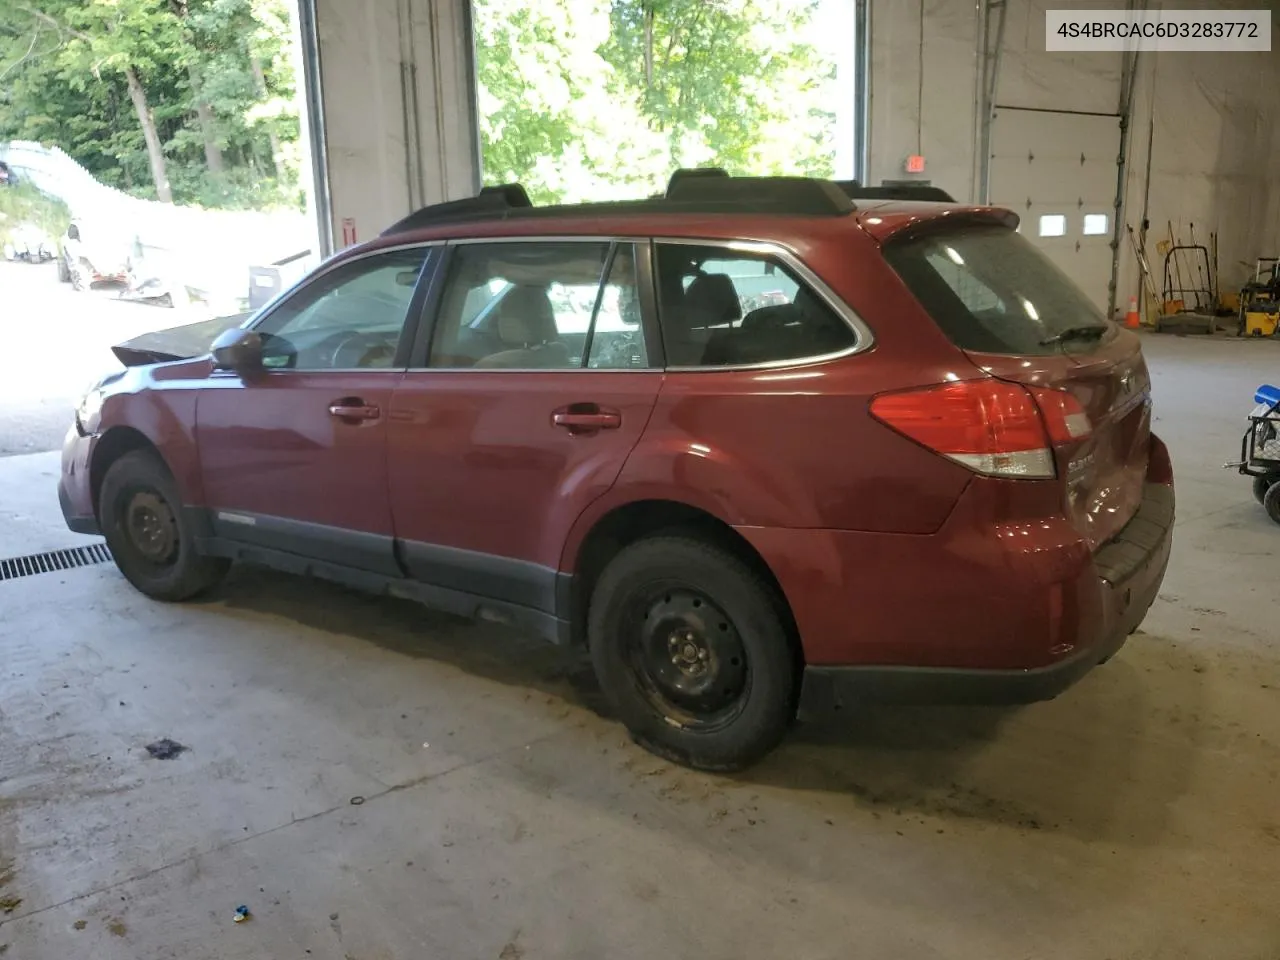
922	471
92	252
8	178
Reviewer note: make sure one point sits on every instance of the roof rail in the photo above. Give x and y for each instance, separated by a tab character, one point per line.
855	191
490	202
707	190
799	196
693	173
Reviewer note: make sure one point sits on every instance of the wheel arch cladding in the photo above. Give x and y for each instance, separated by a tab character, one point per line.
641	519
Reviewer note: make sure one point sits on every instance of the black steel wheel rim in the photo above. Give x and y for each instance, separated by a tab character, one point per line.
151	528
686	657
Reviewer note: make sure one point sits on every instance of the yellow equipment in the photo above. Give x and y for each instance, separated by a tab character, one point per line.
1261	323
1260	300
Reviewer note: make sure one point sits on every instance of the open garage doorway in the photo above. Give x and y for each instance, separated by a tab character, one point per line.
155	171
583	100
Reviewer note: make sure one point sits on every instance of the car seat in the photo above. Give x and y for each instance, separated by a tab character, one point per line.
525	324
710	302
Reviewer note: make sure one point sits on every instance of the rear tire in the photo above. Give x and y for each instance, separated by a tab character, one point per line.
140	513
692	648
1271	502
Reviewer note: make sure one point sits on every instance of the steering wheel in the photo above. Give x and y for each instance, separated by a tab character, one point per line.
361	350
378	356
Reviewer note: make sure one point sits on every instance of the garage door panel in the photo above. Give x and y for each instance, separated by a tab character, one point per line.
1057	171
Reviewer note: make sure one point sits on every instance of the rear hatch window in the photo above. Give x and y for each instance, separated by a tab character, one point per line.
1018	318
991	291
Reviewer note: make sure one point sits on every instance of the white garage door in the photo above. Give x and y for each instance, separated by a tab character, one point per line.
1057	171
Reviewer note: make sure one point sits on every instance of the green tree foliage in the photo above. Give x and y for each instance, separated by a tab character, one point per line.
195	99
190	100
594	99
553	113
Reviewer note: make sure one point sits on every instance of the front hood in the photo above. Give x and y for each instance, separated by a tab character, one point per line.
176	343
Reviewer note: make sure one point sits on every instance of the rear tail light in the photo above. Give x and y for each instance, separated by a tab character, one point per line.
1063	416
992	427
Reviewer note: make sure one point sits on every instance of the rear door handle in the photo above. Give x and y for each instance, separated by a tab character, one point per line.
353	409
586	418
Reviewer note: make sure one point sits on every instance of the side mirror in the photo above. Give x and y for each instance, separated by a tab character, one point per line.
239	350
73	232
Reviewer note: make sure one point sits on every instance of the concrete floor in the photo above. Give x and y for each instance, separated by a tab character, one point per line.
1137	816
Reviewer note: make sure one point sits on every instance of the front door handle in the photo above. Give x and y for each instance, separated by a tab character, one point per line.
586	418
353	410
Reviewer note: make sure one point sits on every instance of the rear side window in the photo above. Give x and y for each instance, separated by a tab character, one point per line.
541	305
990	290
724	307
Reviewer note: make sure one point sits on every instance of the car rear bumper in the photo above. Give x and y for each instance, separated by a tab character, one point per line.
1006	602
75	495
1129	571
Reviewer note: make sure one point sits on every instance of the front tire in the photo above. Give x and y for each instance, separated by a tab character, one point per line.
1271	502
140	512
80	281
692	648
1262	484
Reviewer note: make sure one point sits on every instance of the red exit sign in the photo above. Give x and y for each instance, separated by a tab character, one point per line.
915	163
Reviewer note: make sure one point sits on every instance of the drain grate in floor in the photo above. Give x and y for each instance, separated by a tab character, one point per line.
54	560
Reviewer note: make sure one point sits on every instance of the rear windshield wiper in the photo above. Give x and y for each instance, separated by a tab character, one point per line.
1093	331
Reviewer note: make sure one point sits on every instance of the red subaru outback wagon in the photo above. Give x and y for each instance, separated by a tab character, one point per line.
762	443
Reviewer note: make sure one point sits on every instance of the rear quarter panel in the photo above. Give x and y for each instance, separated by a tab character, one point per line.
792	448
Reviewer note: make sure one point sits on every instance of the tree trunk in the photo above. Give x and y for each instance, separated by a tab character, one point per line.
208	129
260	82
155	155
648	46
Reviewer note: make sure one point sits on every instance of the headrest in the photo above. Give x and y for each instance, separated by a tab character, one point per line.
711	300
525	317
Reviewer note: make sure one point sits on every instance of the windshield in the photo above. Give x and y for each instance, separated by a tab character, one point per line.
991	291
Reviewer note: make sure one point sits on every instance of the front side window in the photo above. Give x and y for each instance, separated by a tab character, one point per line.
349	318
553	305
724	307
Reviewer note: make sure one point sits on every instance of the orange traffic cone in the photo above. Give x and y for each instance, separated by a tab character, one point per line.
1131	318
